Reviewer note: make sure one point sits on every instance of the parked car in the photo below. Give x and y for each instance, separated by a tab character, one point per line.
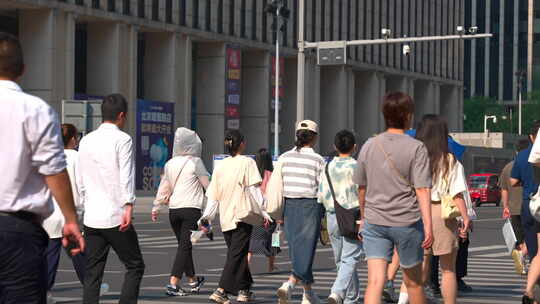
484	189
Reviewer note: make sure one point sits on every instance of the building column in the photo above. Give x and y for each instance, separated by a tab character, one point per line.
450	107
112	62
210	90
334	106
370	88
48	40
255	109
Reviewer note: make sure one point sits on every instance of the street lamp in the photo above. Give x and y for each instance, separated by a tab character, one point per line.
520	77
280	13
486	131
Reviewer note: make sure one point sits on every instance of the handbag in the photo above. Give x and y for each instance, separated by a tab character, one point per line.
449	210
346	218
534	205
247	210
277	237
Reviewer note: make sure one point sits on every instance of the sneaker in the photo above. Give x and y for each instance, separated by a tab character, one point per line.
389	293
463	287
518	261
219	297
50	299
284	293
310	297
196	286
245	296
175	291
335	299
430	296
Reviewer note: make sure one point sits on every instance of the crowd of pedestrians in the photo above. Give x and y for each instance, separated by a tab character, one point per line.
402	201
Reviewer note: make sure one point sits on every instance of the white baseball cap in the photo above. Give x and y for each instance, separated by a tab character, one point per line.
307	125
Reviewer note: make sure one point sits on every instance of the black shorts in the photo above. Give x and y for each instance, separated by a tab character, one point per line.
518	228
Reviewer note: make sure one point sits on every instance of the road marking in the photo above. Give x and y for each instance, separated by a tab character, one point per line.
484	248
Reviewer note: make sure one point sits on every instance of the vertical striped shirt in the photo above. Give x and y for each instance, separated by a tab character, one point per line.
301	173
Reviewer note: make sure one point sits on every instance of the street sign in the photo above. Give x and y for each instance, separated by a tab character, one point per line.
332	53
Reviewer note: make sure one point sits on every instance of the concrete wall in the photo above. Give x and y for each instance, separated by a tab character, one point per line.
370	88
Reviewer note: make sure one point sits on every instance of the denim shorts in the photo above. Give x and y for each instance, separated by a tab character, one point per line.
379	243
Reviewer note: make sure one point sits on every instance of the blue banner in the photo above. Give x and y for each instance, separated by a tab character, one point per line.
155	136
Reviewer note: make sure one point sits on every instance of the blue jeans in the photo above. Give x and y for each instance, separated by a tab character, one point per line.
347	253
302	226
379	243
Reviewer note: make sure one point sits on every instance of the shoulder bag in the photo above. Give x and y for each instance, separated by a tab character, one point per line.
387	157
346	218
168	197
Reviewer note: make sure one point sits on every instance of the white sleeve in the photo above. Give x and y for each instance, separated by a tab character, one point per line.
256	192
210	211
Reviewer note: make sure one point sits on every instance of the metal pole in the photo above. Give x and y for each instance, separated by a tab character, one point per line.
399	40
276	84
301	63
519	110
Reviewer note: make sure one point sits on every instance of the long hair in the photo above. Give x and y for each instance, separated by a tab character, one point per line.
433	132
233	140
264	161
69	131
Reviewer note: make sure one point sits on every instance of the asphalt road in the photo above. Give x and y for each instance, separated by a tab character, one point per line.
491	271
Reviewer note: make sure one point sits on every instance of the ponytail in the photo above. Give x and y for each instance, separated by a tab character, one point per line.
303	138
233	140
69	131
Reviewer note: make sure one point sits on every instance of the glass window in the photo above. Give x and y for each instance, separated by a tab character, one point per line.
478	182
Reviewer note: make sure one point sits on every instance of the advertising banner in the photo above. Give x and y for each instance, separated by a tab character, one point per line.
233	88
155	134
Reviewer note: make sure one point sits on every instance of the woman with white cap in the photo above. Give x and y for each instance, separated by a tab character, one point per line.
182	187
301	170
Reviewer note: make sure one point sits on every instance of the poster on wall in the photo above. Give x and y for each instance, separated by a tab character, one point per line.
233	88
155	134
281	93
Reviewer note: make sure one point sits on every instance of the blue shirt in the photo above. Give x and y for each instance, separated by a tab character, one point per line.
523	171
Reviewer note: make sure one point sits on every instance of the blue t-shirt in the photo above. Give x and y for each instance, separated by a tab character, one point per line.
523	171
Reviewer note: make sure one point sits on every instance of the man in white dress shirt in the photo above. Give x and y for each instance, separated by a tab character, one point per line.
106	173
33	167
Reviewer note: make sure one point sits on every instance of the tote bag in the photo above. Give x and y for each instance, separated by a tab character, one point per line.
247	210
449	210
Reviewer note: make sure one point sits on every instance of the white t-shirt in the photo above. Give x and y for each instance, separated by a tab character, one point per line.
188	192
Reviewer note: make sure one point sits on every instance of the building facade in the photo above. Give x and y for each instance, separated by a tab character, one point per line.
491	65
213	60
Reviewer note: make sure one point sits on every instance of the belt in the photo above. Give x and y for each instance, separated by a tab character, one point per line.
23	215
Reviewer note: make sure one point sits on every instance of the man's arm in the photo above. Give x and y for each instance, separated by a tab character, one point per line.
423	195
60	188
362	200
127	181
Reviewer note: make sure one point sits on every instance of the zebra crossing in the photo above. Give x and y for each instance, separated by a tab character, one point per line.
490	273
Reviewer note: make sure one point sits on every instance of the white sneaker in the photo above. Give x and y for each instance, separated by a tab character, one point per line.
335	299
284	293
310	297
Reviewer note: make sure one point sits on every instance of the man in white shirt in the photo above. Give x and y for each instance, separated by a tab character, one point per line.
33	167
106	174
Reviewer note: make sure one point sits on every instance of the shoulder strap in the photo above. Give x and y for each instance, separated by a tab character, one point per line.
180	172
377	141
330	183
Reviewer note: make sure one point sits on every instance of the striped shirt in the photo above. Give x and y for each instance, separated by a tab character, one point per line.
301	173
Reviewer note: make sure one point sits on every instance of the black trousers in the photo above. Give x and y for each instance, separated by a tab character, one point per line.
23	265
126	246
236	275
461	263
183	221
53	259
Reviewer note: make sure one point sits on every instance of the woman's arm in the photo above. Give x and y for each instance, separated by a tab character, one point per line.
204	180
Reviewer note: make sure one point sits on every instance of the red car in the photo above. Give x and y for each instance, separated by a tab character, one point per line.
484	189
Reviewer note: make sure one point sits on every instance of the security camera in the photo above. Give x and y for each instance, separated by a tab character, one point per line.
386	33
473	30
460	29
406	50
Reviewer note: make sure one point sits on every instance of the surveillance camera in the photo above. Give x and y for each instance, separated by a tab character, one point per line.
473	30
406	50
460	29
386	33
